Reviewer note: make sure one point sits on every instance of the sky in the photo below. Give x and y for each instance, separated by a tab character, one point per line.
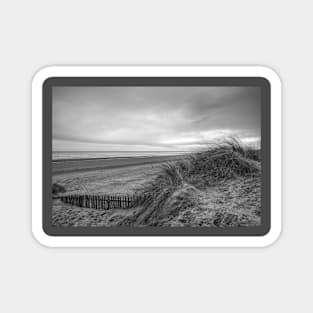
153	118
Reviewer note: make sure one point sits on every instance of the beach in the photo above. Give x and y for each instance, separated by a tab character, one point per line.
220	187
107	175
122	175
83	165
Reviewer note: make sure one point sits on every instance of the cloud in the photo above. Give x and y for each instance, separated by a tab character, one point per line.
152	117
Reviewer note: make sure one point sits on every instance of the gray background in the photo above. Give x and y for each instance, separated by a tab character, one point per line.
39	33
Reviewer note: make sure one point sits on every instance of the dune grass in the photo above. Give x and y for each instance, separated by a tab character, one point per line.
180	186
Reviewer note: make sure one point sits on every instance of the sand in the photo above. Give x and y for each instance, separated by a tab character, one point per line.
234	202
83	165
115	176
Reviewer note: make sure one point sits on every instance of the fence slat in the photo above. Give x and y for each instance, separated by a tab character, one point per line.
102	202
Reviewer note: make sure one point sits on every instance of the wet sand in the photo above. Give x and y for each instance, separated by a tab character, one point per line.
83	165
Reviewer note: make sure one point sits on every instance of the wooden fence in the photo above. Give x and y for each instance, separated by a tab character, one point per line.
101	202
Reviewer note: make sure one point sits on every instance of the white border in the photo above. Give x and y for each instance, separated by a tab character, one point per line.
155	71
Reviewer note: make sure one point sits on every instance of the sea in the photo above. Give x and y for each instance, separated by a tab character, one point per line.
76	155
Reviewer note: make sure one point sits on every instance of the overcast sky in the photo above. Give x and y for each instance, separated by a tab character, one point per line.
152	118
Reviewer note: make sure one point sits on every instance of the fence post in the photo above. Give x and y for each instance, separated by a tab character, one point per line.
103	202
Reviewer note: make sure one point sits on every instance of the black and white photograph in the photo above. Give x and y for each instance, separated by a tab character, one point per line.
156	156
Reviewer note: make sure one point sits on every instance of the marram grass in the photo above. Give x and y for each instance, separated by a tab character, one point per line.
182	185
